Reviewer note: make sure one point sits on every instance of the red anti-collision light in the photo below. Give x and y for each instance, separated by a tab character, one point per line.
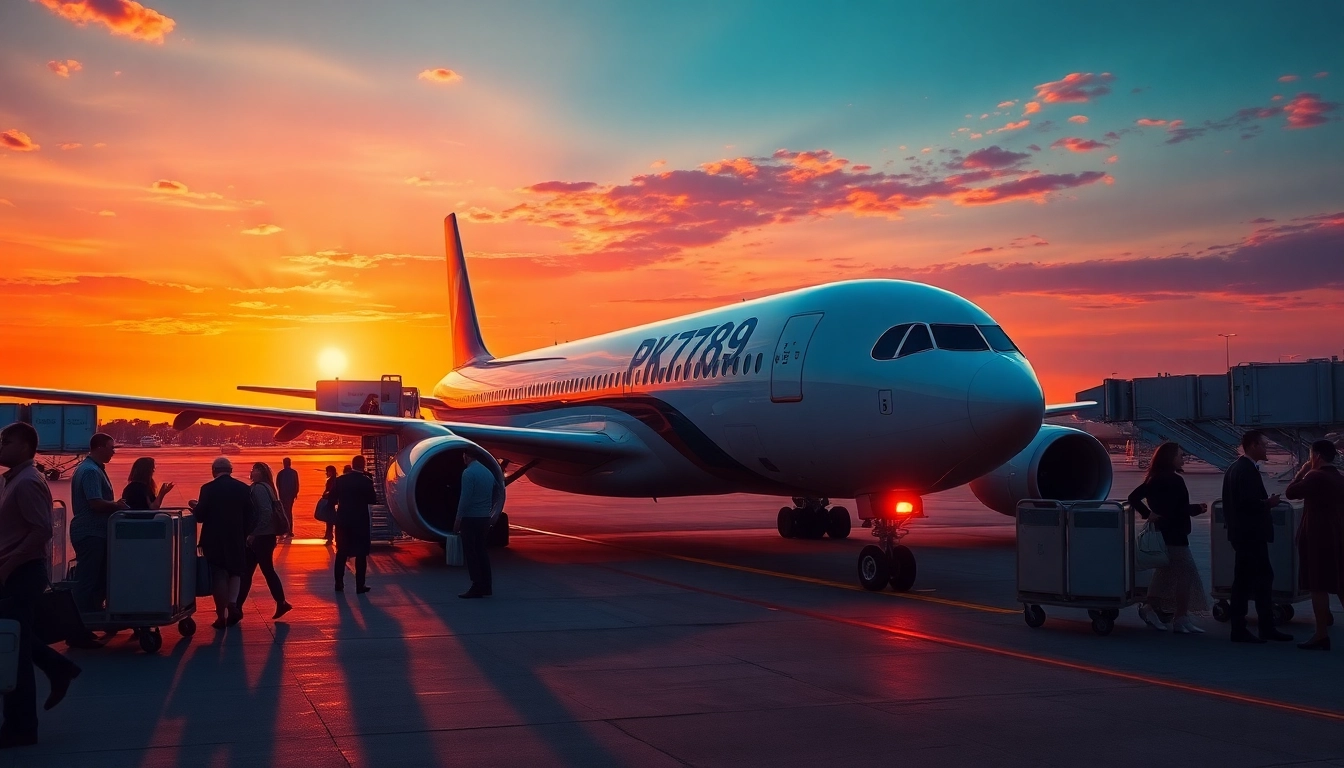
904	508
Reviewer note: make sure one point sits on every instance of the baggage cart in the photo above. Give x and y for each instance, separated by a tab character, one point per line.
1283	558
1076	554
151	575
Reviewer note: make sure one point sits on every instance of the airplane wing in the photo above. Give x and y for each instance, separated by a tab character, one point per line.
575	447
311	394
1066	408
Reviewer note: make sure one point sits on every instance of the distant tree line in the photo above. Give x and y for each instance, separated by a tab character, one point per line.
129	432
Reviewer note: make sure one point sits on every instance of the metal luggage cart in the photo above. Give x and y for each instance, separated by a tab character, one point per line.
1283	557
151	575
1076	554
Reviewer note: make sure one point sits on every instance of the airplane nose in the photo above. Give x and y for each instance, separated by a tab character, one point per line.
1005	402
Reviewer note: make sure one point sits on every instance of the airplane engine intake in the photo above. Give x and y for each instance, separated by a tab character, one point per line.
1060	463
424	481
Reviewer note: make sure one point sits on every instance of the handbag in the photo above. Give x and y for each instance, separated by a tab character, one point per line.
56	617
1150	549
325	512
205	582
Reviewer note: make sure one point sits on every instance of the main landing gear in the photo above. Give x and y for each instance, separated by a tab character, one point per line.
813	519
887	562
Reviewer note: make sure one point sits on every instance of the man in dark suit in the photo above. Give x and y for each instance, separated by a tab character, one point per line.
1250	528
353	493
227	517
287	485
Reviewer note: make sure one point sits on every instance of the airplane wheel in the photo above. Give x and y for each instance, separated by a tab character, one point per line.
839	523
785	523
903	569
874	568
815	522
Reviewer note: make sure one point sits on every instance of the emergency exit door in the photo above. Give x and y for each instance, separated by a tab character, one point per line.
786	373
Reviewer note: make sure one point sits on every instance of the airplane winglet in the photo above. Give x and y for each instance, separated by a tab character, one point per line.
468	346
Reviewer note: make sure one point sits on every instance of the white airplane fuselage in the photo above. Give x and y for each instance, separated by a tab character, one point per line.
780	395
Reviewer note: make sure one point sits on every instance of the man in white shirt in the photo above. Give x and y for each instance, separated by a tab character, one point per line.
479	505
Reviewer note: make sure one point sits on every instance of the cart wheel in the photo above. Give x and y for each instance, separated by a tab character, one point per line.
53	474
1103	625
1283	614
1093	614
902	569
187	627
1111	613
150	640
1034	614
1222	611
874	568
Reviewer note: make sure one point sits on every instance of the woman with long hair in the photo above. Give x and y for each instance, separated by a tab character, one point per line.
329	498
1176	586
141	492
268	522
1320	540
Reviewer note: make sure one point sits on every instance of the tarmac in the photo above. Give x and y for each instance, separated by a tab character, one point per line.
684	632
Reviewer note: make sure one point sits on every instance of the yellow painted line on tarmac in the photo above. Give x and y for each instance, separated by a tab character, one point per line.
764	572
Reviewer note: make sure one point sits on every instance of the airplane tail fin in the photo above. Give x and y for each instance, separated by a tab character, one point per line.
468	347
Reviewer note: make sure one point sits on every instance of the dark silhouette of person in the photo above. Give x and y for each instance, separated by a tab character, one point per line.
353	494
1320	540
329	496
287	485
1250	528
25	535
370	406
91	506
1175	586
270	521
227	517
141	492
478	505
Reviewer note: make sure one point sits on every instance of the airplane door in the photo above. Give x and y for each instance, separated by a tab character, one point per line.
786	374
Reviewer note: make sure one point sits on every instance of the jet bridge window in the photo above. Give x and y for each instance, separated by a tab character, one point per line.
959	338
917	340
889	342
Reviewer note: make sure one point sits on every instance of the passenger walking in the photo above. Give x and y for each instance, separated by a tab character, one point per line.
329	496
1250	529
91	505
353	493
141	492
1176	587
270	521
225	513
25	535
287	485
1320	540
479	505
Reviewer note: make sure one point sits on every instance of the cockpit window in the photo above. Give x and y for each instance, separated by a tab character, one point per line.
998	340
917	341
886	346
959	338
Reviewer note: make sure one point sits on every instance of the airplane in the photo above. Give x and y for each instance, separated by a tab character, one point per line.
881	391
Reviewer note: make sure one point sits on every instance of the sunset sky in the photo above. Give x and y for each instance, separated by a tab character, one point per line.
196	195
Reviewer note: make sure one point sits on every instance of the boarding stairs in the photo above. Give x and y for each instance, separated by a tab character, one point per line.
1155	427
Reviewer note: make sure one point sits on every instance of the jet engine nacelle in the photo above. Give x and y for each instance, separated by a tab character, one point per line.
1060	463
425	480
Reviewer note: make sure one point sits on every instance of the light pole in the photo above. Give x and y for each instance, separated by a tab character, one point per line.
1227	349
1290	357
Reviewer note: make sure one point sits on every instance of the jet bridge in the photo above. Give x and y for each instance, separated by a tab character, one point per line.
1206	414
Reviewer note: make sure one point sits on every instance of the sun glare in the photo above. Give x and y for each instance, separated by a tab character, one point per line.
332	362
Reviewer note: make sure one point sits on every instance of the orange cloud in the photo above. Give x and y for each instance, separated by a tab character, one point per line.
440	75
1034	187
122	17
1075	144
1148	122
1287	78
1017	126
264	229
1111	160
1031	107
1080	119
70	145
64	68
18	141
1076	87
1007	104
6	203
1306	110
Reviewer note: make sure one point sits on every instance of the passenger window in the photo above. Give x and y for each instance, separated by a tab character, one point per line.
759	357
890	342
916	341
959	338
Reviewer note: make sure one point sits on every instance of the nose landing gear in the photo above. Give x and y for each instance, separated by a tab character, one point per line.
887	562
813	519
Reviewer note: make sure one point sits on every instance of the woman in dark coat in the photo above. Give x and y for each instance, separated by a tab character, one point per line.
1176	586
1320	540
141	492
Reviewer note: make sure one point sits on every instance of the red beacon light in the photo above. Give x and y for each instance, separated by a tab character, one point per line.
895	506
904	508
